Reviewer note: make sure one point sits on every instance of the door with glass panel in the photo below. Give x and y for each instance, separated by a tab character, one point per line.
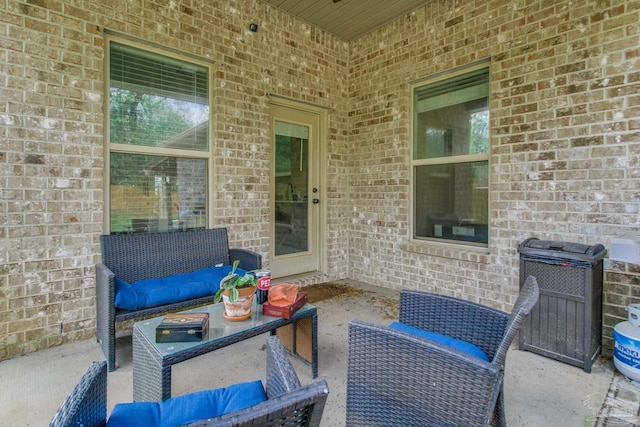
296	193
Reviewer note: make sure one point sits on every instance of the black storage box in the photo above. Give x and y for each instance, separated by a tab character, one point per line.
183	327
566	323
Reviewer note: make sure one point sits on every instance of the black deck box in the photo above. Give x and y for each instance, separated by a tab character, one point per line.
566	322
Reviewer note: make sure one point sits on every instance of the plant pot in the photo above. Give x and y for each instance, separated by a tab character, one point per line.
241	309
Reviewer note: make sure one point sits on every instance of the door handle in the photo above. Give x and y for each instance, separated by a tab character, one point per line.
316	201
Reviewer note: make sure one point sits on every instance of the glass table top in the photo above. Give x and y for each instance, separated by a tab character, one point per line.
219	328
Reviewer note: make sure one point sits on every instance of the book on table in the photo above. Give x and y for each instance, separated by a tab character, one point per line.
183	327
285	311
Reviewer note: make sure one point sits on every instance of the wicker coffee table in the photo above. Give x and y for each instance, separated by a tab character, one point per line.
152	361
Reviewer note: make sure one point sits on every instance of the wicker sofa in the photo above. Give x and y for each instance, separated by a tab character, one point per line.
136	257
288	402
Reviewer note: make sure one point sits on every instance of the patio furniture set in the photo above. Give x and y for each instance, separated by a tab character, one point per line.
128	285
441	364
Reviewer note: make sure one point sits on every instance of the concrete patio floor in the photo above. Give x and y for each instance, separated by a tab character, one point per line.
538	391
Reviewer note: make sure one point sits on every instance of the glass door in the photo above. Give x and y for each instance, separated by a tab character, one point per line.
295	192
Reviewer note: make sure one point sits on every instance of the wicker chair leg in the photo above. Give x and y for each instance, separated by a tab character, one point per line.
111	360
499	416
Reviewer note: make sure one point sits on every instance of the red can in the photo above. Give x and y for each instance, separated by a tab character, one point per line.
263	279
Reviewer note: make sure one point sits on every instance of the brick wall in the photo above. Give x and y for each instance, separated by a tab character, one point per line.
565	139
52	151
621	288
564	147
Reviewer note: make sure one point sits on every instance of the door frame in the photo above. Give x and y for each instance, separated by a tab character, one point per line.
320	164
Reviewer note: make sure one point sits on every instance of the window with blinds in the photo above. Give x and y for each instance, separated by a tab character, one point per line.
157	100
158	139
450	157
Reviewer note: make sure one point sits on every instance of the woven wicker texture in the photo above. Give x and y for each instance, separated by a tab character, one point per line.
152	366
397	379
133	257
288	404
558	278
86	405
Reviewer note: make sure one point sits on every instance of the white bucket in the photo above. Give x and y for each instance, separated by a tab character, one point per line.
626	350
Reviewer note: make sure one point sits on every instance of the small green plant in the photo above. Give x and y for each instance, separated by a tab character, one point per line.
233	281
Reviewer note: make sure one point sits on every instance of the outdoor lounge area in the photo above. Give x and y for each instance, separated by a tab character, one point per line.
538	391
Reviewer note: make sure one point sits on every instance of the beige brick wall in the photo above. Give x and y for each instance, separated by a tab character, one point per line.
621	288
52	155
564	138
564	155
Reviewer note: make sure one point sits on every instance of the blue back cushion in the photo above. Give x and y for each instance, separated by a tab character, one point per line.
189	407
166	290
461	345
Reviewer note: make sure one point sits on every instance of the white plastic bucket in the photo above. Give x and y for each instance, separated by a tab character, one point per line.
626	350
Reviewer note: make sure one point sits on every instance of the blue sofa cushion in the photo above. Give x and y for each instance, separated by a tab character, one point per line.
189	407
461	345
166	290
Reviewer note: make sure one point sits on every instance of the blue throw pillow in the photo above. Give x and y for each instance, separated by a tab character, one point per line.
461	345
189	407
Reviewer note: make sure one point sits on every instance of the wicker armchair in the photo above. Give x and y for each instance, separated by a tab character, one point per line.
288	402
399	379
87	403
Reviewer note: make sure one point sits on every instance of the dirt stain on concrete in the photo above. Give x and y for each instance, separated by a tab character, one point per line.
324	291
340	291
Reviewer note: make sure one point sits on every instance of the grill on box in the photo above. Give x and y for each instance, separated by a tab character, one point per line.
566	323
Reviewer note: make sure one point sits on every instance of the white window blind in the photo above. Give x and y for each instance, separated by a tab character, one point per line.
143	71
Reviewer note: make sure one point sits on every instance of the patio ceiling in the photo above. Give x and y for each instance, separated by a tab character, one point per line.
347	19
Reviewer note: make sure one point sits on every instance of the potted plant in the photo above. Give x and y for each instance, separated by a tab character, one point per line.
237	293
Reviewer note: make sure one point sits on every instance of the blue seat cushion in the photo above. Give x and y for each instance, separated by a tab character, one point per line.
166	290
188	408
461	345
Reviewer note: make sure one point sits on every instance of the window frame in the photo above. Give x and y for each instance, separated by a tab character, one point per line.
445	160
110	147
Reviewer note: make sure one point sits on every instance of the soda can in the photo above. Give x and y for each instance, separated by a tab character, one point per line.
263	279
